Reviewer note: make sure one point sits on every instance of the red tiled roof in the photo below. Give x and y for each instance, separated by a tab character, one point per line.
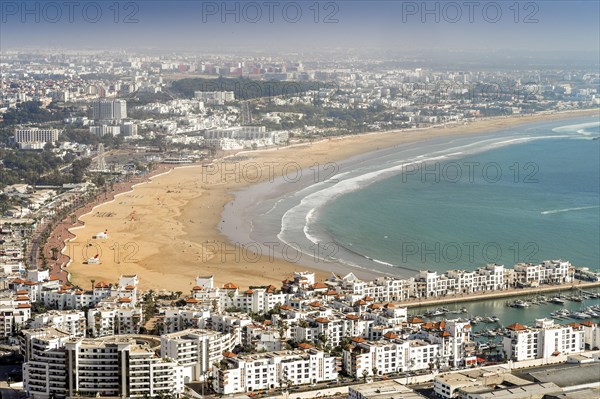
124	300
390	335
197	288
352	317
319	285
358	339
229	354
516	327
305	346
322	320
230	286
101	284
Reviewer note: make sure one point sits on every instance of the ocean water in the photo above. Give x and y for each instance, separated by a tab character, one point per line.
532	200
523	194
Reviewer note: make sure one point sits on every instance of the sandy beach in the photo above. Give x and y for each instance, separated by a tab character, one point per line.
165	230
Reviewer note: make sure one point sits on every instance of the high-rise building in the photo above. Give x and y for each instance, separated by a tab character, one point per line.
109	109
59	366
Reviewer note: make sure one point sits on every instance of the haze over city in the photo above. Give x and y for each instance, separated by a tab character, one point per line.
299	199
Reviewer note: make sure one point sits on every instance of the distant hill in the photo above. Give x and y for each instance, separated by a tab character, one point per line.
243	88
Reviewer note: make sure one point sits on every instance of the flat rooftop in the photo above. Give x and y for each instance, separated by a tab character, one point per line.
569	376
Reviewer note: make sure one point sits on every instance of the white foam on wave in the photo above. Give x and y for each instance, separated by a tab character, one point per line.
575	128
309	204
553	211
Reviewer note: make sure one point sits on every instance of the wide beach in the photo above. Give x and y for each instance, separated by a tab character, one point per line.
166	230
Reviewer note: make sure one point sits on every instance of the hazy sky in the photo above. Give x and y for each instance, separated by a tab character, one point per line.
547	25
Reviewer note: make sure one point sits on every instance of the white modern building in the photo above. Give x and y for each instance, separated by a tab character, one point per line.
57	366
32	138
544	340
196	350
273	369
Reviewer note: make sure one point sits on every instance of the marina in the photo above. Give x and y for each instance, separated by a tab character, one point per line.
490	317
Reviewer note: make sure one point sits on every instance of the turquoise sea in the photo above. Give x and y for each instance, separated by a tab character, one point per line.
532	200
522	194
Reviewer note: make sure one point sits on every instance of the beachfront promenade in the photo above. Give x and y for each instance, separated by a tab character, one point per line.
498	294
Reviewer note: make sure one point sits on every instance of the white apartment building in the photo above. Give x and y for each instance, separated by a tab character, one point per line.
175	319
547	272
36	135
215	97
105	130
544	340
591	334
70	321
125	294
114	319
391	355
59	366
238	132
196	350
14	311
273	369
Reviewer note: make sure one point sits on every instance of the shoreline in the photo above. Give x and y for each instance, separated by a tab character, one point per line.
166	231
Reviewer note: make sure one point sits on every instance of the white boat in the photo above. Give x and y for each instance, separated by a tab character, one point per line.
557	300
580	315
520	304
